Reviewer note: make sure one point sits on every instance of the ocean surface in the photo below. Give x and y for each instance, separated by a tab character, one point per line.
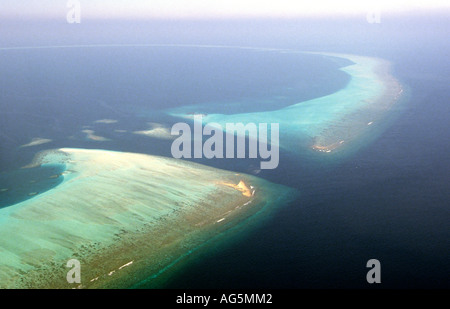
386	198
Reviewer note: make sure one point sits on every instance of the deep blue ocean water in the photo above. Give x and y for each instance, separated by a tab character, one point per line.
386	199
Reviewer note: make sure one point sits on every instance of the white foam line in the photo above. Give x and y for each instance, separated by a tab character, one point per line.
125	265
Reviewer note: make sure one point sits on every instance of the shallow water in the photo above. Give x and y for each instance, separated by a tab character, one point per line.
20	185
386	199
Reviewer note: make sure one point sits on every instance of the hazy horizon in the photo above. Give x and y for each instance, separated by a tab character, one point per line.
216	9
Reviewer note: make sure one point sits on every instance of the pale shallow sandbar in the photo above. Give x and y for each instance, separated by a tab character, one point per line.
115	208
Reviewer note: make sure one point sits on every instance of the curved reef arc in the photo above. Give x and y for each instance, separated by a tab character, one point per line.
326	123
124	216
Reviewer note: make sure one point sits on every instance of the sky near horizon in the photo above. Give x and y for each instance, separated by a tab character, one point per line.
204	9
